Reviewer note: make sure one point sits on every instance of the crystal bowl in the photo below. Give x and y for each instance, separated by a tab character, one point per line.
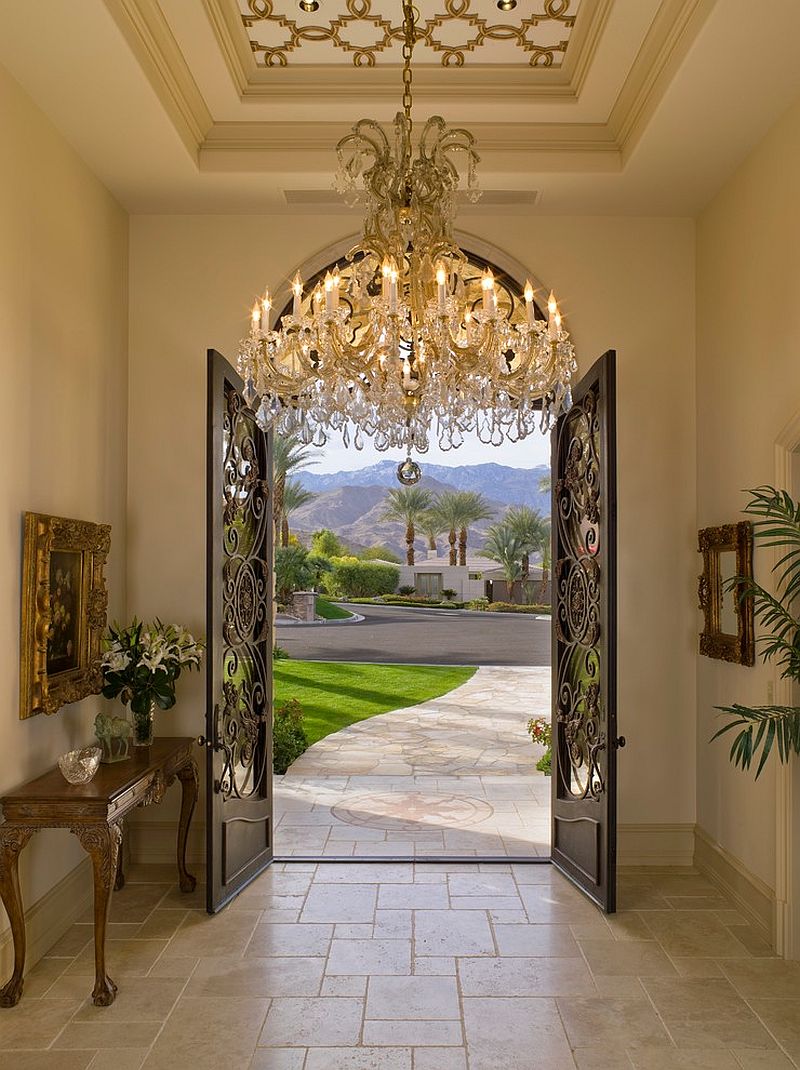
79	766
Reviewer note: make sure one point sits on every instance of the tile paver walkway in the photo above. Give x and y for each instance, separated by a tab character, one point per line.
455	776
444	982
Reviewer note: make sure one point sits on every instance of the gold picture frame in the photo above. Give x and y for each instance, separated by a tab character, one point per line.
64	607
729	622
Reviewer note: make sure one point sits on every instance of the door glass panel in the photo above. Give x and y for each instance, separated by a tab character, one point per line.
245	572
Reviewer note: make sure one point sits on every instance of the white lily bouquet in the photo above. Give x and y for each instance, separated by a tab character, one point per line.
141	665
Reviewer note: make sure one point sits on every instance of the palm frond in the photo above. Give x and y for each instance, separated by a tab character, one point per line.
760	728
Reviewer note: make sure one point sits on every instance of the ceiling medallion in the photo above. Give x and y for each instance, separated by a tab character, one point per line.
401	352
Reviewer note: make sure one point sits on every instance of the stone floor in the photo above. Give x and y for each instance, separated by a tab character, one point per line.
414	967
454	776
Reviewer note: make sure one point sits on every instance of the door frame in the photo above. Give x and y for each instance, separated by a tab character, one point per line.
787	780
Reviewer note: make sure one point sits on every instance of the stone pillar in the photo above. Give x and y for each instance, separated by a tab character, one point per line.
304	605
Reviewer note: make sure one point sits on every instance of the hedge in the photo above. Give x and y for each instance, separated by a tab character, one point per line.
352	578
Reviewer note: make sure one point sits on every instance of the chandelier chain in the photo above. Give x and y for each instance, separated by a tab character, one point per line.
409	38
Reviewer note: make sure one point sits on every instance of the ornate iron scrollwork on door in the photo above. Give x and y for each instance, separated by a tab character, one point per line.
580	718
240	729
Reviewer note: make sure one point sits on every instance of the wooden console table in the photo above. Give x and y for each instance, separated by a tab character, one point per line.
93	812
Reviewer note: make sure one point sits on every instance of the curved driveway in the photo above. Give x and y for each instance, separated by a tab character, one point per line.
420	636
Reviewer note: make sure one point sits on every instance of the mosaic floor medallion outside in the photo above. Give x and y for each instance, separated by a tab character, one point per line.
455	776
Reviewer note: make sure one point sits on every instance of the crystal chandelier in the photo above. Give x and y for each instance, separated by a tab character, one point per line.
402	350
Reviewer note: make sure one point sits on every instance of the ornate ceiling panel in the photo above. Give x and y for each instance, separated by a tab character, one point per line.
368	33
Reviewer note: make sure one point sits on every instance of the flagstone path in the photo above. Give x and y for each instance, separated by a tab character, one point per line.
455	776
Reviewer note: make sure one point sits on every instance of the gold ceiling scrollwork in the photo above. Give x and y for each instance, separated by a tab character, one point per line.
362	32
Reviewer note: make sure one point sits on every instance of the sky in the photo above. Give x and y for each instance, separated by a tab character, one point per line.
532	451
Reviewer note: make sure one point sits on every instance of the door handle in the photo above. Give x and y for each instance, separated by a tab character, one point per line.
620	742
203	742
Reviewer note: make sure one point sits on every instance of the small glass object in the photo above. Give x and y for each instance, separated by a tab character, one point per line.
79	766
143	726
408	472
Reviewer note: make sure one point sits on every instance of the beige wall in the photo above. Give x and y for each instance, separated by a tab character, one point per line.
624	283
63	368
748	388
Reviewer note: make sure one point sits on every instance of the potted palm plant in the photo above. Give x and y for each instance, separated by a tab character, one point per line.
759	729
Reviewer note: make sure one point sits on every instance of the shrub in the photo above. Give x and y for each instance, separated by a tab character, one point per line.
406	589
448	593
320	565
292	571
481	603
362	579
447	604
541	732
279	654
379	553
327	543
289	739
512	607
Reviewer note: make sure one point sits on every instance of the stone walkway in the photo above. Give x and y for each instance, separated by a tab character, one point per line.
454	776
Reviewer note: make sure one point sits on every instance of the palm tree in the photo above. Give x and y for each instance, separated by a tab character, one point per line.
533	531
431	527
503	546
294	496
474	508
447	509
455	510
407	505
545	483
288	455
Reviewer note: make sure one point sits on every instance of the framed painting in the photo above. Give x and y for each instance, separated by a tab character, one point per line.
64	606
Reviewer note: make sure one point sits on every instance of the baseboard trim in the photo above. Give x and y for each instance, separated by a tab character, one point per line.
48	918
752	897
655	845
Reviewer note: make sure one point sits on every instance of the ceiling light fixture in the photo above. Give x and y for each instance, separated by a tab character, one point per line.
399	341
313	5
505	5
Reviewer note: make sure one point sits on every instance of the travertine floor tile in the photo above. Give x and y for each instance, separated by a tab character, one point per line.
206	1034
515	1034
412	997
261	978
452	933
322	1021
358	1059
34	1023
525	977
375	957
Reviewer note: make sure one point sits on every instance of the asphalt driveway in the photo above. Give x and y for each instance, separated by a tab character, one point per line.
420	636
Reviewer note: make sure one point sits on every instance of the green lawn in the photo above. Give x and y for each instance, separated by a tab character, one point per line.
329	611
335	694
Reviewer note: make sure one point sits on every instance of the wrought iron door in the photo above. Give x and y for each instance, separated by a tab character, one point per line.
239	630
584	713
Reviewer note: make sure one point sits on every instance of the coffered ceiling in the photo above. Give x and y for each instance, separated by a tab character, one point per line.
369	33
640	106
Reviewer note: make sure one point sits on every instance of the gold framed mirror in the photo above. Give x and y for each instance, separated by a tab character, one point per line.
729	626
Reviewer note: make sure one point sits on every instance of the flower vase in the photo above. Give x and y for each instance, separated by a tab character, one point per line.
143	726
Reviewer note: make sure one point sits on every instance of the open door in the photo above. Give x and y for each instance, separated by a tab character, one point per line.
584	714
239	582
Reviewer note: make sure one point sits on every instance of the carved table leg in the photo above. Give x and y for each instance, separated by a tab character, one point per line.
101	843
12	840
187	774
119	878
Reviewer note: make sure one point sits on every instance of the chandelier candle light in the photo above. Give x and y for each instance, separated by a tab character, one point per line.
403	349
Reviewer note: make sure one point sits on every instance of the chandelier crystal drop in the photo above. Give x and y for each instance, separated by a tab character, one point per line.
396	345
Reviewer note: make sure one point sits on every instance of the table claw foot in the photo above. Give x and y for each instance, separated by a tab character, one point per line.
104	993
188	883
11	993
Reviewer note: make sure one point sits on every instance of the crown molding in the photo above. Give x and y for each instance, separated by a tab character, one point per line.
229	145
671	34
245	145
147	31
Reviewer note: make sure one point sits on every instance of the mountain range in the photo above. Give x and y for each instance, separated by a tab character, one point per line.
350	503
